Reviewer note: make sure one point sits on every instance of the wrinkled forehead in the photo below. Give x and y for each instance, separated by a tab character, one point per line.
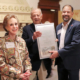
37	11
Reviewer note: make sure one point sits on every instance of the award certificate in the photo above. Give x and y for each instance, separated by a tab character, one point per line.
46	42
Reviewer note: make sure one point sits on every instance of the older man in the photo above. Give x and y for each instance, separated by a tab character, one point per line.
30	36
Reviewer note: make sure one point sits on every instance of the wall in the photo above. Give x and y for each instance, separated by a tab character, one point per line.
33	3
74	3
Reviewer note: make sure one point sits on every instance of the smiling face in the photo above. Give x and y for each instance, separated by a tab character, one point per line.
36	16
67	13
12	26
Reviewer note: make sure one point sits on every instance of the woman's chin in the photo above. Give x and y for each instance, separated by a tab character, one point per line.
13	33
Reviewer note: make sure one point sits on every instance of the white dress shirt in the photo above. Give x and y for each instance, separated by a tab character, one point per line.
63	32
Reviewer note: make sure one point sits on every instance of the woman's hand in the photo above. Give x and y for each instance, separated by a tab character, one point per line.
22	76
28	73
25	76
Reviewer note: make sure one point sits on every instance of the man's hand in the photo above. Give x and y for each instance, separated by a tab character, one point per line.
56	40
36	34
54	54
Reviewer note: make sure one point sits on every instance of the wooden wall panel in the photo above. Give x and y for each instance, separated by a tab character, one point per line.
46	6
49	16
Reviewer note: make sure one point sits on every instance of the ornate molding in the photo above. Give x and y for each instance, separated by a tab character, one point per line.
22	11
15	8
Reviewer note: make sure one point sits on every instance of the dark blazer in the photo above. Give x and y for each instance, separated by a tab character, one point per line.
70	54
33	49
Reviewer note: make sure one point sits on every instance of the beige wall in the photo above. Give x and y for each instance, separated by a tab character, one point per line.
33	3
74	3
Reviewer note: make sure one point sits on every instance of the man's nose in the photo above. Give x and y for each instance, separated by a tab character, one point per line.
36	16
66	13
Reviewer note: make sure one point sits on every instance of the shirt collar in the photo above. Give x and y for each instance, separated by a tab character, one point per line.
67	23
8	38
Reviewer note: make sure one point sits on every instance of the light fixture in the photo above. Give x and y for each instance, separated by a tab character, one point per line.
52	10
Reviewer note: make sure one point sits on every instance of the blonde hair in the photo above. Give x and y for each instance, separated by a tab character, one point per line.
6	18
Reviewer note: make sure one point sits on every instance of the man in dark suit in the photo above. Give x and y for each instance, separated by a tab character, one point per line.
30	36
68	55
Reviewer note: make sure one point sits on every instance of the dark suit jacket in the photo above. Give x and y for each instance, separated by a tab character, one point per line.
33	49
70	54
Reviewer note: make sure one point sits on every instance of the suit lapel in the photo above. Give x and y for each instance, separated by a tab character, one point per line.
32	28
59	31
69	29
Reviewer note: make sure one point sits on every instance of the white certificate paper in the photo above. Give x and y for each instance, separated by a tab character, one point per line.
47	40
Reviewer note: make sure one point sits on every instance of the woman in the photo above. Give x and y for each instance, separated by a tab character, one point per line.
14	60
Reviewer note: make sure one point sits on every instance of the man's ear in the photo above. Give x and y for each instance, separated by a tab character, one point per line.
31	16
73	13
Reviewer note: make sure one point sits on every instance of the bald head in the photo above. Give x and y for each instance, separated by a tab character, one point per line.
37	9
36	16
